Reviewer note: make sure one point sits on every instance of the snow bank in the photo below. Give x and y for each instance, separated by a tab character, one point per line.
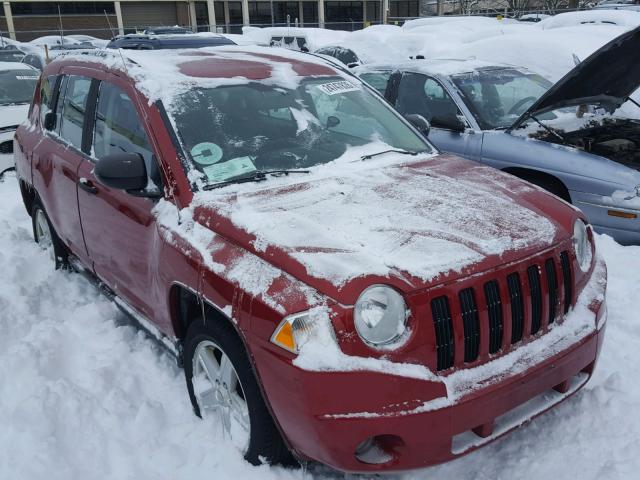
83	395
549	53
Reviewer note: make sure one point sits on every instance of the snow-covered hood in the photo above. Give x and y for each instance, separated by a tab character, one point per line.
409	225
606	78
13	115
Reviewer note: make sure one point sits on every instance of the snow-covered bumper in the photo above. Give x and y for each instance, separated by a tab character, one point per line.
6	149
361	421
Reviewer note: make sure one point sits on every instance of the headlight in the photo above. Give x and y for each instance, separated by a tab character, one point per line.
582	245
380	315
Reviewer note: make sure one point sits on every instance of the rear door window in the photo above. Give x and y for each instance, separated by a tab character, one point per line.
74	108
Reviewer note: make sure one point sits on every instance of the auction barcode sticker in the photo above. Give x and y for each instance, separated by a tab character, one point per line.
333	88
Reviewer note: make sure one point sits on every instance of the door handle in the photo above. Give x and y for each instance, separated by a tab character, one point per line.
87	186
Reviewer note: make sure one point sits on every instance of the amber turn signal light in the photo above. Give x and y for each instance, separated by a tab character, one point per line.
618	213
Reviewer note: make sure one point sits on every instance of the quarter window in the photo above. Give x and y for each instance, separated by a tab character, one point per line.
74	108
377	80
47	87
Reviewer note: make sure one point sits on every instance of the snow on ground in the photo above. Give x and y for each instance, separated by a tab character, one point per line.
83	395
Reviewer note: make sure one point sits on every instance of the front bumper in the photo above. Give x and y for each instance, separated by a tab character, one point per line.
416	423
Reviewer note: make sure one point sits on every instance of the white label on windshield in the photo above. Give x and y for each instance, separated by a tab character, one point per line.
235	167
22	77
333	88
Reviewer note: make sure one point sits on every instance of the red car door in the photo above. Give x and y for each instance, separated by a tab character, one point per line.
57	157
119	228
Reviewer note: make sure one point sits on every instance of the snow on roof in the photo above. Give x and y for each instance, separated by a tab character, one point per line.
442	67
316	37
163	74
438	21
4	66
624	18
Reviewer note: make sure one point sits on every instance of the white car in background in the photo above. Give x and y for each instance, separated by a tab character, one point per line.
618	5
17	84
51	40
96	42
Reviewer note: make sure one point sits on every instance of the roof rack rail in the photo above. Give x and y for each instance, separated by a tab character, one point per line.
98	52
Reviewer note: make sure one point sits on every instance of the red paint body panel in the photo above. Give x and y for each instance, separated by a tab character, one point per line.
121	238
304	402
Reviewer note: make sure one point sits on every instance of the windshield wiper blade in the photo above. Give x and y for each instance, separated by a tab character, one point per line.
258	176
391	150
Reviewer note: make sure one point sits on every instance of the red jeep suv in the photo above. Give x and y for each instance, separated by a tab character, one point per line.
335	288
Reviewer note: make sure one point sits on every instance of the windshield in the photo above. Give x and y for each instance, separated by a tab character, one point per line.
497	97
17	86
231	131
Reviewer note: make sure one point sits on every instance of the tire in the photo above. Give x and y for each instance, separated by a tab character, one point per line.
548	183
213	339
45	235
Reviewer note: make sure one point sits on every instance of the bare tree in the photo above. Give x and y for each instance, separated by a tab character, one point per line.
553	6
518	7
467	6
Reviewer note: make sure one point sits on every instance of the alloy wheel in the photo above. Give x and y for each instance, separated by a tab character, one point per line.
218	392
43	233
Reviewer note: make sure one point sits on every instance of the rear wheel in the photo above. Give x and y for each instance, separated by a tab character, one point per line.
46	237
222	386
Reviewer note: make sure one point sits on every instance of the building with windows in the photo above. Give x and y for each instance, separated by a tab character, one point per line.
24	20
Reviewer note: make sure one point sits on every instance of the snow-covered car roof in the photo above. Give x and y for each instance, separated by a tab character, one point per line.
449	19
436	67
315	37
624	18
161	75
4	66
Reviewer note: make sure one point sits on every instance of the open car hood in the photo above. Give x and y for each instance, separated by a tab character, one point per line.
606	78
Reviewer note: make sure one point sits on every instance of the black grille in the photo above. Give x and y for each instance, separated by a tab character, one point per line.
444	332
6	147
535	291
517	307
552	282
567	281
471	324
494	308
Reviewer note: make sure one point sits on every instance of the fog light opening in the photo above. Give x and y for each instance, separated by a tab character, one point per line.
378	450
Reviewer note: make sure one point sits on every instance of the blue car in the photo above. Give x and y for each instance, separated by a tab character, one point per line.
569	138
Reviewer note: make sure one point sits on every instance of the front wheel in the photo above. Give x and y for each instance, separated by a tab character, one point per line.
222	385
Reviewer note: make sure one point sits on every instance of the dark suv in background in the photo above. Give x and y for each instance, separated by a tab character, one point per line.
136	41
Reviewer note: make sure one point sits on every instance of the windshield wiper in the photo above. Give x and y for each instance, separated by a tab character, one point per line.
391	150
257	176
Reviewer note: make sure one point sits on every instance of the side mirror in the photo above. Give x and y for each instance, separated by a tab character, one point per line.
420	123
122	171
448	122
50	119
